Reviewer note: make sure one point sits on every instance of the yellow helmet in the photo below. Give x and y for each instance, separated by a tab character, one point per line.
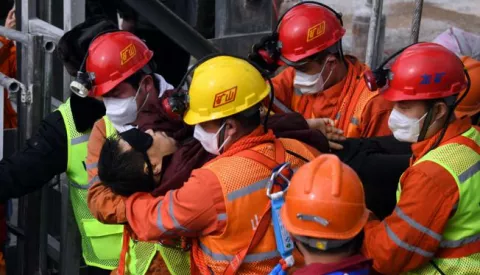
223	86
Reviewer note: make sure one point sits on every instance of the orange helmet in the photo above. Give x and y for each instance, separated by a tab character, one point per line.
325	200
113	57
470	105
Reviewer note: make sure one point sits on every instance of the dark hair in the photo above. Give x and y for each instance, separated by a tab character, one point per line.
352	247
73	45
249	119
123	171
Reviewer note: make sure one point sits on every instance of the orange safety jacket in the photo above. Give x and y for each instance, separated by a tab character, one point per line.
238	230
355	109
244	204
8	66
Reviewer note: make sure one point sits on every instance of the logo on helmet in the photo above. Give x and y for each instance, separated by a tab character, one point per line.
316	31
128	53
225	97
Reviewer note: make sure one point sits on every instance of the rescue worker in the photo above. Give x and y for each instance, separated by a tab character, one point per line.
325	212
434	227
228	213
470	105
125	79
59	146
8	66
320	81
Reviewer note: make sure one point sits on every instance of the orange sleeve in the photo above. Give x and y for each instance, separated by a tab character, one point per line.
375	118
410	236
196	209
283	89
104	205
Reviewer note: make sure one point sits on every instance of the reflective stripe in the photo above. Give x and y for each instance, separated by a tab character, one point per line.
159	217
355	121
91	166
80	139
93	180
277	103
79	186
250	258
170	213
416	225
459	243
469	173
405	245
222	217
247	190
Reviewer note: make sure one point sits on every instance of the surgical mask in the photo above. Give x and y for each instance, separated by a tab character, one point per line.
208	140
403	127
123	111
310	83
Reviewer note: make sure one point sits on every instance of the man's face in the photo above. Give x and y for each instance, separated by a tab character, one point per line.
126	90
414	109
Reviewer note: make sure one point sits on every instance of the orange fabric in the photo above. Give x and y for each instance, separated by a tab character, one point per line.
429	194
343	97
104	205
8	66
199	215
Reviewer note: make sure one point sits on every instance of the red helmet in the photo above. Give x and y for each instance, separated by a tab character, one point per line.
307	29
113	57
425	71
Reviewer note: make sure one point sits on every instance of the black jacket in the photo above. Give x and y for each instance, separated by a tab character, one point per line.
45	154
379	162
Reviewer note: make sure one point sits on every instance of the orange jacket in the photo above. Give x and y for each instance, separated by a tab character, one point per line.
104	205
355	109
8	66
401	242
202	208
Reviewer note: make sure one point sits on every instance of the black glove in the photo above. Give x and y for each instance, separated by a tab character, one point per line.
266	53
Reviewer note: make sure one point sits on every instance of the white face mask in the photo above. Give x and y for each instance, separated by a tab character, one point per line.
404	128
310	83
123	111
208	140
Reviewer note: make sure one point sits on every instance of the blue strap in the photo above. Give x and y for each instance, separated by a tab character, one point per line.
364	271
278	270
282	237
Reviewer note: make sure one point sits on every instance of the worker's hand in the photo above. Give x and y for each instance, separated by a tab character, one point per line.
326	126
10	21
162	146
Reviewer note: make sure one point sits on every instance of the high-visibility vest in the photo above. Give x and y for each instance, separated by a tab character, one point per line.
461	158
140	254
357	96
101	243
243	181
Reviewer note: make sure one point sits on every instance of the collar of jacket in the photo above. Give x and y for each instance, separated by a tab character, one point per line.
456	128
256	137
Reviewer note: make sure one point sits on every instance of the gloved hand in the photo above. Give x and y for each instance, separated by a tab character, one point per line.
266	53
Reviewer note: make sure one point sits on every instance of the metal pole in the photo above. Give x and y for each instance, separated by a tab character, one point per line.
11	84
174	27
14	35
374	25
73	14
416	21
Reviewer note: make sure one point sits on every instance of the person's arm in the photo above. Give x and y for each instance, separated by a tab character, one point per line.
196	209
374	122
104	205
410	236
43	157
